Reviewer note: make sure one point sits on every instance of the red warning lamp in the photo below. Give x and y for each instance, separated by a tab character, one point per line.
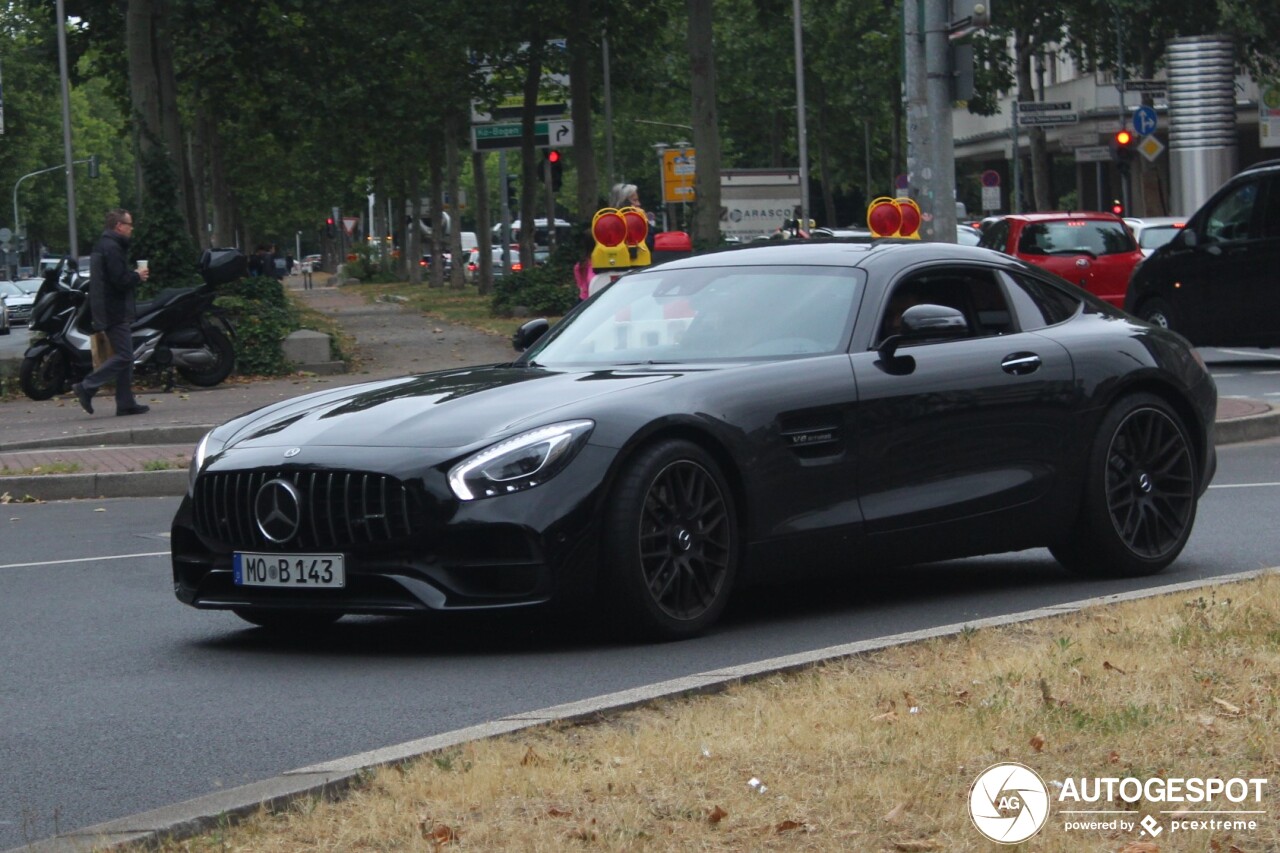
637	226
609	229
884	218
910	219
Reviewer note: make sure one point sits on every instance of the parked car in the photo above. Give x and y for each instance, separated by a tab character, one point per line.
1216	281
4	316
967	235
711	421
1093	250
19	299
471	271
1153	232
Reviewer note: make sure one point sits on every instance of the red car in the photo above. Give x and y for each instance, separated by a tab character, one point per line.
1093	250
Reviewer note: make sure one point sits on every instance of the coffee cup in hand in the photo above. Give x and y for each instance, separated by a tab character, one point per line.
142	266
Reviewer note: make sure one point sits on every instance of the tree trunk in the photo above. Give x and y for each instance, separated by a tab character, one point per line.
435	178
413	233
197	157
144	85
581	54
171	121
1037	149
484	273
225	227
706	132
824	164
452	137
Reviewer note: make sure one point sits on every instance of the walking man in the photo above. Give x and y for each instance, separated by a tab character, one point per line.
111	299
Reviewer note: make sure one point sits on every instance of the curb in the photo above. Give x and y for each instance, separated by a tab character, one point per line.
326	779
114	484
142	435
1247	428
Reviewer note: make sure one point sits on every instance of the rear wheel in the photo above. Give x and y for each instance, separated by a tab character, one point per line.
1140	493
44	375
1158	313
289	620
224	359
671	543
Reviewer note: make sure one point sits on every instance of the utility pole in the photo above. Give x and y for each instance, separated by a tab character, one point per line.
72	238
930	144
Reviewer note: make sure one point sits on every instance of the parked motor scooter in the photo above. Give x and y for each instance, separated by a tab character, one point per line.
179	330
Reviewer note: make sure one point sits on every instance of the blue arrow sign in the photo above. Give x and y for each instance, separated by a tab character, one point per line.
1144	121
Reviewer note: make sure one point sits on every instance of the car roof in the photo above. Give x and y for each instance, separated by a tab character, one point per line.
1059	215
835	253
1258	167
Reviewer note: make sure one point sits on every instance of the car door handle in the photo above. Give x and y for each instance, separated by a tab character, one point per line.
1020	363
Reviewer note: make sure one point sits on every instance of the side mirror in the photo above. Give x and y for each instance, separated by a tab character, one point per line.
1188	238
528	334
921	322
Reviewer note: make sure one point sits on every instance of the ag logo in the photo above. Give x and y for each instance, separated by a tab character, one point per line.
1009	803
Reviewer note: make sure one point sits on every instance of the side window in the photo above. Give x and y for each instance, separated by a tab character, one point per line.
1232	217
1037	303
973	292
1271	213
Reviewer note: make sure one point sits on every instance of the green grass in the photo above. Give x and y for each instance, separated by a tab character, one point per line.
466	307
162	465
50	468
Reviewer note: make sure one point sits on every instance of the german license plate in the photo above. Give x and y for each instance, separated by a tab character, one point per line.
291	570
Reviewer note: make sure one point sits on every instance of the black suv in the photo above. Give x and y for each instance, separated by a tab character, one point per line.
1218	281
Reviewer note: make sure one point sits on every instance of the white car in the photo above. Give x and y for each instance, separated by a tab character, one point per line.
1154	231
19	297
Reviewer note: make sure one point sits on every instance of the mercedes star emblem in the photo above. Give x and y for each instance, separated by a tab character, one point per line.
278	510
292	452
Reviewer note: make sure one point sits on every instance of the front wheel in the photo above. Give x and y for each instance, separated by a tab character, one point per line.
670	543
1158	313
224	359
44	375
1139	500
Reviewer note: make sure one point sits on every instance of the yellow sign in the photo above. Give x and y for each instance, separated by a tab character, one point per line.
678	169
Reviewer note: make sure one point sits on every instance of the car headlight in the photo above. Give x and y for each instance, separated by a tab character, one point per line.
207	447
520	462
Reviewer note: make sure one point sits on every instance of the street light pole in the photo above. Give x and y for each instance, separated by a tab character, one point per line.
802	136
74	250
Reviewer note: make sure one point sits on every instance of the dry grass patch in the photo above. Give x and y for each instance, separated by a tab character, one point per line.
873	753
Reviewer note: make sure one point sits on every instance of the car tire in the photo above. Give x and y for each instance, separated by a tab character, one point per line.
1158	313
42	376
224	360
1140	491
288	620
670	544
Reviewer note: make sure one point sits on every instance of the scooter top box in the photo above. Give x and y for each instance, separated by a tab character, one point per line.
223	266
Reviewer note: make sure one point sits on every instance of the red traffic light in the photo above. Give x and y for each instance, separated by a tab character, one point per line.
553	156
1117	208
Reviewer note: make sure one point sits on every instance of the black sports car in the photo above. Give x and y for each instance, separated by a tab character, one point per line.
736	415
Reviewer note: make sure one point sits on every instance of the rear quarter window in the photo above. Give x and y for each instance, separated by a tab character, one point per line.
1038	303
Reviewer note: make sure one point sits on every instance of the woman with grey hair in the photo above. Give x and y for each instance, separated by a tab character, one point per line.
624	195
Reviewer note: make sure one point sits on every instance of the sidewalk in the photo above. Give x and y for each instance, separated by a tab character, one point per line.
144	456
53	451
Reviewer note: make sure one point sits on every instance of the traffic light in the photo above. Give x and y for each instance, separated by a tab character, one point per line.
1117	207
553	169
1123	144
330	228
509	190
94	171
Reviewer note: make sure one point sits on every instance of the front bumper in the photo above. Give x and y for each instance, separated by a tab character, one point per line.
529	548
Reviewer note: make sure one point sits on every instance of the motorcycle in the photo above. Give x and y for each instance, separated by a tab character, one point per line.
179	330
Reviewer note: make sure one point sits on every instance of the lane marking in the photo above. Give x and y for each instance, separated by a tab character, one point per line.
1223	486
84	560
1250	353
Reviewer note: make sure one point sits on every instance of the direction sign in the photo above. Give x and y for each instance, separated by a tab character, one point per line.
1144	121
546	134
1044	106
1048	118
679	166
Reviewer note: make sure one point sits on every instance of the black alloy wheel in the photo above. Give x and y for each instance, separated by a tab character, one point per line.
44	375
1150	482
671	542
1140	499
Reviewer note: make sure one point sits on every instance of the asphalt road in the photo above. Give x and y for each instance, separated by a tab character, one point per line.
115	699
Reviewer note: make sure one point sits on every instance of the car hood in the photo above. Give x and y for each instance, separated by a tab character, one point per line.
447	409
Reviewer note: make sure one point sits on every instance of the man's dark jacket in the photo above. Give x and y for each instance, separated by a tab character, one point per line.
111	282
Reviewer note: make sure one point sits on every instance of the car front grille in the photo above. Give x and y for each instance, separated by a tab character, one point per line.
339	509
19	313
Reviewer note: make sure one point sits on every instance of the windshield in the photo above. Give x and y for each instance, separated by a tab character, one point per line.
1155	236
709	314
